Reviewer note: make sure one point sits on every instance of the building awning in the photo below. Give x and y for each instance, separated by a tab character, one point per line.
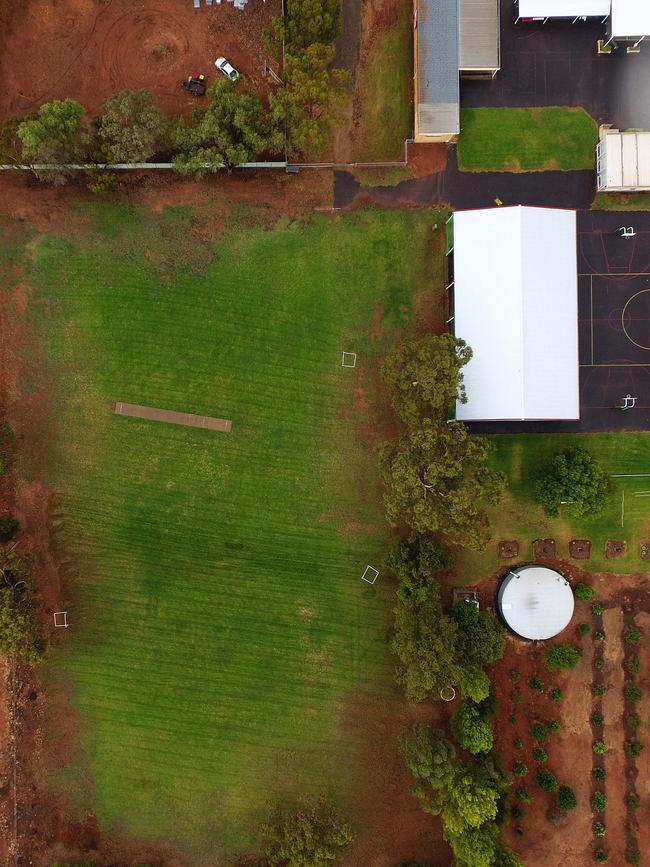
437	57
623	161
564	8
516	305
630	19
479	35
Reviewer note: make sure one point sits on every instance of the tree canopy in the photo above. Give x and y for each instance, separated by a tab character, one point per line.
56	136
130	127
575	480
437	478
482	642
313	835
233	128
562	656
424	376
471	729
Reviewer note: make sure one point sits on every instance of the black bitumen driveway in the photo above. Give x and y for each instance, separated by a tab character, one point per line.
473	189
557	64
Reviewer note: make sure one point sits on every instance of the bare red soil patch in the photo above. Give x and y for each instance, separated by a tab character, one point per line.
90	49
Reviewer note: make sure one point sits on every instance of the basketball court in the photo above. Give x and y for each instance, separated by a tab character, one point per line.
614	320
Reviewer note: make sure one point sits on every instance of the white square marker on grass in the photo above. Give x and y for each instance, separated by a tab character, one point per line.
61	619
349	359
370	575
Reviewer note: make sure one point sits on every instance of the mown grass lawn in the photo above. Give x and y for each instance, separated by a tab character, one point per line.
621	202
220	624
627	516
384	92
526	139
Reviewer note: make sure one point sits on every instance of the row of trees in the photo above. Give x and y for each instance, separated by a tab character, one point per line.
435	650
468	795
437	475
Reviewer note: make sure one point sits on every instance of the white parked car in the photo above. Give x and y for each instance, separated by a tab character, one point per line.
227	68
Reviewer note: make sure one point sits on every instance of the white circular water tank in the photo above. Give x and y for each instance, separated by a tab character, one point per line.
535	602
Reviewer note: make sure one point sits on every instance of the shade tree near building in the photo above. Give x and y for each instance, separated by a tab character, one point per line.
574	481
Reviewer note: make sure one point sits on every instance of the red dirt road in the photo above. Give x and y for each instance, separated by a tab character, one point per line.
89	49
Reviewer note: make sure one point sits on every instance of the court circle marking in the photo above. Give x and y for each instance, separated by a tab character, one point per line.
625	331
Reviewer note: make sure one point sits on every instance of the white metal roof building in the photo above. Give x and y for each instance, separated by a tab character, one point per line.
516	305
623	161
629	20
536	602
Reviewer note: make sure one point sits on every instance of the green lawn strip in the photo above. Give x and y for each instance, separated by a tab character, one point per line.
519	516
526	139
621	202
384	93
220	624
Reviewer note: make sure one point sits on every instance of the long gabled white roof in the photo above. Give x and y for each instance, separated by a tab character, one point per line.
563	8
516	305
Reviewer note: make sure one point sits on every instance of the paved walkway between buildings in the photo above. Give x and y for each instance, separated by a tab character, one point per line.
185	418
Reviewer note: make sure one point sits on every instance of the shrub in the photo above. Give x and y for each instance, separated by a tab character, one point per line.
516	812
566	799
633	635
584	629
539	732
465	613
599	636
516	696
314	834
599	829
518	743
633	801
599	774
599	690
536	684
556	694
515	677
597	609
9	526
633	665
634	748
599	664
554	725
562	656
633	856
546	780
520	770
633	692
599	802
599	748
540	755
513	719
633	721
602	857
524	796
597	718
584	592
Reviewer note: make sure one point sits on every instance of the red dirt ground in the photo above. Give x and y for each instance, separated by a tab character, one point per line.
90	49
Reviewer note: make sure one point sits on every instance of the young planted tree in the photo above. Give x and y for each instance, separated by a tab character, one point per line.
575	480
232	129
437	478
562	657
57	136
424	376
130	128
314	835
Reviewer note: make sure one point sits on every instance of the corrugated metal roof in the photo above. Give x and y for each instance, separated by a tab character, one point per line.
624	161
438	65
479	35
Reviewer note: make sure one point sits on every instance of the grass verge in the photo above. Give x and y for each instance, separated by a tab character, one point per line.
521	458
526	139
621	202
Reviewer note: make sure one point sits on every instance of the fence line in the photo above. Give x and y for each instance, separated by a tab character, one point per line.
280	164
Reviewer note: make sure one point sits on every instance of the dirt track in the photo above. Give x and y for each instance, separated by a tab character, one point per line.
89	49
